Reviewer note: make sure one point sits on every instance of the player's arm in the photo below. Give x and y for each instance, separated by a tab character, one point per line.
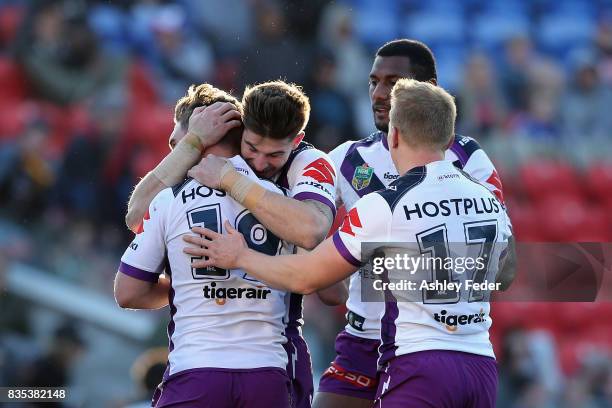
507	266
302	273
132	293
303	220
207	125
335	295
304	223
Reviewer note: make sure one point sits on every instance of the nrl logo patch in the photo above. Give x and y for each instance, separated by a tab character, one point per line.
362	176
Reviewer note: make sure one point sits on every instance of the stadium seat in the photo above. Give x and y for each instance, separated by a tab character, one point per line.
570	219
493	30
150	126
599	181
10	19
524	218
561	34
543	178
435	28
12	81
142	87
376	25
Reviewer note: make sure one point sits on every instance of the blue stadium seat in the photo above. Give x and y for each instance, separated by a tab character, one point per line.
433	28
492	30
560	33
450	62
375	26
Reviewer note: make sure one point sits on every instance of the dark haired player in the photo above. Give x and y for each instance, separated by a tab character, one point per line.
274	117
435	349
365	166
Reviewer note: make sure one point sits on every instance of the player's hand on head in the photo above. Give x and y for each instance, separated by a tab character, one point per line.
211	123
220	250
208	171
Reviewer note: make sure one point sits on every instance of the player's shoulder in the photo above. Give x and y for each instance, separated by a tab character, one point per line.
306	151
464	147
347	147
402	186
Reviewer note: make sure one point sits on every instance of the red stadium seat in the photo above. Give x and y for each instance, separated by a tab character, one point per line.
143	91
151	125
12	82
13	118
564	218
599	181
10	19
545	178
524	217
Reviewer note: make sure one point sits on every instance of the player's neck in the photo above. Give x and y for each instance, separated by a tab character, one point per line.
411	158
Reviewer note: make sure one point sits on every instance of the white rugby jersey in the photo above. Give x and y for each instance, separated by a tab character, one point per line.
309	174
365	166
219	318
431	208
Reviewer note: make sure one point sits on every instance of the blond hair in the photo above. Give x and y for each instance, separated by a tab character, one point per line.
423	113
200	95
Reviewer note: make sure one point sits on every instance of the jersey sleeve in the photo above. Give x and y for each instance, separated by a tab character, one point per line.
312	176
482	169
337	157
144	257
368	221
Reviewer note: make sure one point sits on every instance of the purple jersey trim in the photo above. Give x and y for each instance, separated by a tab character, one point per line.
308	195
461	154
388	328
343	250
385	142
139	274
171	324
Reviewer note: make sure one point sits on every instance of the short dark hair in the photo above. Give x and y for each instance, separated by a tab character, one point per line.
422	61
276	109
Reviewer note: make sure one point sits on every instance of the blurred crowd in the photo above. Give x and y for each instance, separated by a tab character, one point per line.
87	90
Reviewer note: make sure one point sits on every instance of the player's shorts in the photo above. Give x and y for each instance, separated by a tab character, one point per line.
438	378
225	388
299	370
353	372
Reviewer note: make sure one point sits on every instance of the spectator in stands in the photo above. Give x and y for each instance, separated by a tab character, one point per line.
603	42
60	55
53	368
514	72
179	58
586	105
95	169
27	172
332	113
276	53
482	108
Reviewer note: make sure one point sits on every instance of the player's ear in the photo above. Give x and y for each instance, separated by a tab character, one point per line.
449	144
394	137
298	139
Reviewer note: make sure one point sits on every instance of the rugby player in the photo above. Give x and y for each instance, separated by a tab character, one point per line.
426	360
226	333
275	114
365	166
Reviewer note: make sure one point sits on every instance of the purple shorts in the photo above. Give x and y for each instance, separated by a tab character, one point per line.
225	388
299	370
353	372
438	378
